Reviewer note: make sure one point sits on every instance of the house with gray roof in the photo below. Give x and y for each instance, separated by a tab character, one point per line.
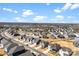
18	50
76	42
44	44
64	51
35	41
54	47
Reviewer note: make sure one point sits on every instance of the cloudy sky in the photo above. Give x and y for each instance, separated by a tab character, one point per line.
39	12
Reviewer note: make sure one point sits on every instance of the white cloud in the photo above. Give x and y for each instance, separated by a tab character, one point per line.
15	11
55	20
75	21
70	6
10	10
39	18
74	6
66	6
6	9
60	17
27	13
35	19
57	10
18	19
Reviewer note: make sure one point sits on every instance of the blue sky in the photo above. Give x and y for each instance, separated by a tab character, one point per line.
39	12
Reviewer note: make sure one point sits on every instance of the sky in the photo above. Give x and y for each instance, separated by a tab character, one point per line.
39	12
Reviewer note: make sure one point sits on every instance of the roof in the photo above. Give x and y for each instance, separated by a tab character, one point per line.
27	53
19	50
61	36
11	46
66	49
76	43
5	42
1	38
76	38
38	41
55	47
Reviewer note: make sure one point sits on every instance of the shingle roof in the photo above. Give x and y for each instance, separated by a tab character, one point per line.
67	49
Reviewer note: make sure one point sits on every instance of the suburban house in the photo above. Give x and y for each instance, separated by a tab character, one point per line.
1	45
35	41
76	42
61	36
18	50
54	47
14	49
27	39
44	44
10	47
1	38
72	36
64	51
53	35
